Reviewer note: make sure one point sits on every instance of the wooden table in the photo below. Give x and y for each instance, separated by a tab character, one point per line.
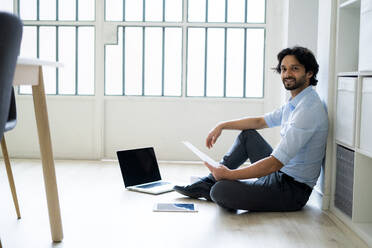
30	72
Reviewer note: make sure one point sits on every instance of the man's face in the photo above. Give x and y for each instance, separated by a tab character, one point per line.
293	74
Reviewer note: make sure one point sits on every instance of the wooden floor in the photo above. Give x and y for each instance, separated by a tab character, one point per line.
98	212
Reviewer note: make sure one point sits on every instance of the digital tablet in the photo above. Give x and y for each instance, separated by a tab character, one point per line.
200	154
175	207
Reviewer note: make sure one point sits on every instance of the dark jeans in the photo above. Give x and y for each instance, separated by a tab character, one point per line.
274	192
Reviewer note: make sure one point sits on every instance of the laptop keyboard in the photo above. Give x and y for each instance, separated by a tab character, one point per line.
151	185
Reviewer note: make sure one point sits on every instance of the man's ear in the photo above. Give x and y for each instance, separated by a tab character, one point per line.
309	74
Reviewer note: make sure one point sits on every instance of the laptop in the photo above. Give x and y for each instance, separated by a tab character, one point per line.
140	171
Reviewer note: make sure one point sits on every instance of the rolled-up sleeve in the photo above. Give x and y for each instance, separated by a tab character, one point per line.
274	118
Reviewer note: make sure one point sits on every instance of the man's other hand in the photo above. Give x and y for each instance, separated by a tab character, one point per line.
213	136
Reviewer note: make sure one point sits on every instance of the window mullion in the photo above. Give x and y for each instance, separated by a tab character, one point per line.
162	52
123	10
205	61
184	49
123	62
38	41
245	63
206	49
57	15
143	60
162	62
57	59
224	64
245	51
37	10
143	47
76	59
225	52
77	10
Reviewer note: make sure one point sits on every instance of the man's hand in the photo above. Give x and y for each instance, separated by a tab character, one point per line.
213	136
258	169
220	172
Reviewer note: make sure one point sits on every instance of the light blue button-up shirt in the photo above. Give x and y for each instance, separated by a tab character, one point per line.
304	130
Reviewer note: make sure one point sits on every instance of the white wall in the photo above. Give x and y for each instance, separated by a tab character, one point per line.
164	123
325	88
95	127
303	23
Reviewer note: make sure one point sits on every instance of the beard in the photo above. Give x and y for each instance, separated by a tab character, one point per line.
297	83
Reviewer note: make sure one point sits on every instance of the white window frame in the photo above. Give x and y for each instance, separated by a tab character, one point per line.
185	25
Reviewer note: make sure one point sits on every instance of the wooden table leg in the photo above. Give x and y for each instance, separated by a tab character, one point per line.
47	160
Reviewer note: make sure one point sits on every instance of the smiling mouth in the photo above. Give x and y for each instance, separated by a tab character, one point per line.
289	80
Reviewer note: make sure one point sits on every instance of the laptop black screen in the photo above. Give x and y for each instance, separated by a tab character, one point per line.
138	166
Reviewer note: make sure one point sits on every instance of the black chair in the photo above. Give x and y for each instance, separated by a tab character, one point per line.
10	42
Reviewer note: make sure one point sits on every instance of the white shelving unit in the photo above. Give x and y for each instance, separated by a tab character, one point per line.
353	110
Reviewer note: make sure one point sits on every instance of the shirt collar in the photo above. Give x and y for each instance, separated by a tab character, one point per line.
294	101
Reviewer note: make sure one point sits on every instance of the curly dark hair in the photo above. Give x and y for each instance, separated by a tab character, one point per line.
305	57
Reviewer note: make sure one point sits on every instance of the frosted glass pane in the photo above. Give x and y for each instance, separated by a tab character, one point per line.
86	10
256	11
6	5
172	61
196	11
114	10
216	11
173	10
133	10
153	61
47	9
27	9
255	62
195	61
236	10
67	10
154	10
215	61
133	61
47	51
66	55
114	67
86	61
28	44
25	89
235	62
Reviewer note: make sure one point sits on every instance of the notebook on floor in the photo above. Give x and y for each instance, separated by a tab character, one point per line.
140	171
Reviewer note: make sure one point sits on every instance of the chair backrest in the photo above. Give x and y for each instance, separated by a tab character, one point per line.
10	42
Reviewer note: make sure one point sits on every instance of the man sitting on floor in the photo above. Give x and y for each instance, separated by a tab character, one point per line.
287	174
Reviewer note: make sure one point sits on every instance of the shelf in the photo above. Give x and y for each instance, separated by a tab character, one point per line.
365	73
355	74
363	152
365	230
362	229
350	4
353	64
348	74
338	142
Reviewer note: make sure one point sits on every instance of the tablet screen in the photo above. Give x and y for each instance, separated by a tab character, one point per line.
175	207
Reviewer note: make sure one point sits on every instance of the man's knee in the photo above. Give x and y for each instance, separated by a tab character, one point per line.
220	192
247	133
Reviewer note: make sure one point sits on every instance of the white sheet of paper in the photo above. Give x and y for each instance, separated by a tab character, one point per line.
200	154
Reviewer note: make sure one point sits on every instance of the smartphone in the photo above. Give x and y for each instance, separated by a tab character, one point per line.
175	207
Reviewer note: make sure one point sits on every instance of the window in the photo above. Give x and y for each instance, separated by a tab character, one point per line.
223	54
192	48
61	31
